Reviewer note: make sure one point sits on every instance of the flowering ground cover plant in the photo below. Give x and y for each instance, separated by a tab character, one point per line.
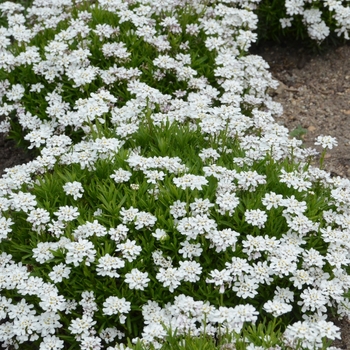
166	201
304	20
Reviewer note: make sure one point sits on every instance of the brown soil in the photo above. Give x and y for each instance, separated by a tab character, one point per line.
10	155
315	93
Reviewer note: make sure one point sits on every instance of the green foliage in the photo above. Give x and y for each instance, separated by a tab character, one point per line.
223	109
298	132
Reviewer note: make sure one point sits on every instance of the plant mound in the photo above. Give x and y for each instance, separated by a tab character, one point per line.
165	200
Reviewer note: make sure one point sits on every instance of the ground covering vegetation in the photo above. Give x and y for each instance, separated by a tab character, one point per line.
166	208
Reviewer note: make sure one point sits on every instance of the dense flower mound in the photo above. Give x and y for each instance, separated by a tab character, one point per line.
165	196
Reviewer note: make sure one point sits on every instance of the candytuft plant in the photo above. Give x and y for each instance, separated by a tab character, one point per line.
166	204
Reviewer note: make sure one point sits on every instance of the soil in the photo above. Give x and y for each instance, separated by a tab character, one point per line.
315	93
10	155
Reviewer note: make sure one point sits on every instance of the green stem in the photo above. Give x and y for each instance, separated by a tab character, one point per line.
323	154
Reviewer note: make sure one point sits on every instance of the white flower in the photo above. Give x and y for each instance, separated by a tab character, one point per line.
89	229
293	206
159	260
153	176
30	286
26	328
90	342
188	227
116	306
137	279
129	250
128	215
110	333
312	257
74	189
51	342
253	246
208	153
238	266
82	76
5	227
121	175
250	180
98	212
283	266
144	219
301	277
246	287
277	307
256	217
262	272
56	228
22	201
305	334
178	209
190	181
52	302
82	325
36	87
223	239
4	304
170	277
328	330
300	223
134	187
272	200
119	233
221	279
191	271
12	275
49	321
88	302
227	202
319	31
38	217
107	266
313	300
67	213
190	250
105	31
246	313
59	272
326	141
286	22
20	309
42	252
201	206
16	92
297	180
221	315
80	251
160	234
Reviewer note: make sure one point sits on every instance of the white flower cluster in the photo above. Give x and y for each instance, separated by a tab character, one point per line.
213	219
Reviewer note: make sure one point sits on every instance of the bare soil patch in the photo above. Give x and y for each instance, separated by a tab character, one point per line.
315	93
10	155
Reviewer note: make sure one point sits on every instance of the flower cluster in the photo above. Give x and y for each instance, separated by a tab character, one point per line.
165	195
